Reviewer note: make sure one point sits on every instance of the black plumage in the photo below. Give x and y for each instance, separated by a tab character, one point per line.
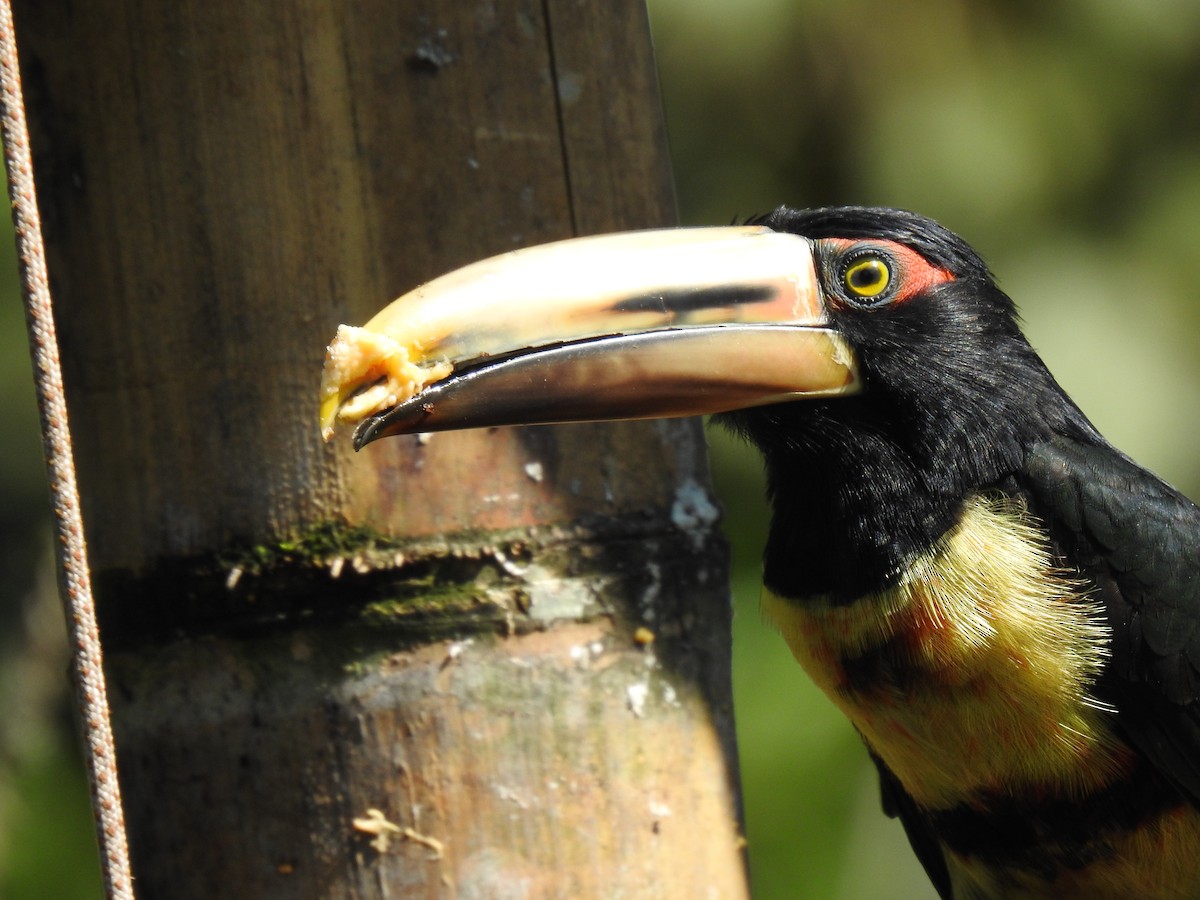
956	403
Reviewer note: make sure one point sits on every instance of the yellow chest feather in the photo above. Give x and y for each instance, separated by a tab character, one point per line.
981	659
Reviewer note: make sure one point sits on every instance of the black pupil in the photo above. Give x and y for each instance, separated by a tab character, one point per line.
866	275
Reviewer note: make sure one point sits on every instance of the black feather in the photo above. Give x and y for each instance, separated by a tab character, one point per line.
1138	544
917	828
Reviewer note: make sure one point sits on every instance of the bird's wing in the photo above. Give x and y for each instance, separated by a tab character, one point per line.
1138	540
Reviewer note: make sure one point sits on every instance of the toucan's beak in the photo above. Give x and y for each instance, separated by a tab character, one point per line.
646	324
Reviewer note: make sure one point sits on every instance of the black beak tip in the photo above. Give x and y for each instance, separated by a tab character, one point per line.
404	418
369	430
365	433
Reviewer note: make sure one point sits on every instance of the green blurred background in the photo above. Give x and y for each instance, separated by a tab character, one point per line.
1061	139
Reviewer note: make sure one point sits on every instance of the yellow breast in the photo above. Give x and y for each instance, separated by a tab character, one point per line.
973	674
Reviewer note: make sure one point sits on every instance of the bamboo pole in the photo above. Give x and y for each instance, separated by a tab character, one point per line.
416	671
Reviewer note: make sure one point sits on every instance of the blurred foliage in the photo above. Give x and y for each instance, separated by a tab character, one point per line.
47	847
1062	140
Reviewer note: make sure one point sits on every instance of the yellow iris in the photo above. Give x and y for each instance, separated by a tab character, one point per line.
867	277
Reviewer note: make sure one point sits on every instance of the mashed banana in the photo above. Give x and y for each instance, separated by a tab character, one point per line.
367	372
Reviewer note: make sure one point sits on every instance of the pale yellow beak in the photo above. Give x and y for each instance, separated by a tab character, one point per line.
646	324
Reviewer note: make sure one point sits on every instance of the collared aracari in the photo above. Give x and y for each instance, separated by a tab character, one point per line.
1005	606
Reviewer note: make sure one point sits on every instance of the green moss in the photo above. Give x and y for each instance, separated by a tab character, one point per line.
437	599
315	545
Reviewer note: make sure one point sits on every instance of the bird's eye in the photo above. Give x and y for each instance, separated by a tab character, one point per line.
867	277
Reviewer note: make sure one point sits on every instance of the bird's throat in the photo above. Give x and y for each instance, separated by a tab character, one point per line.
848	521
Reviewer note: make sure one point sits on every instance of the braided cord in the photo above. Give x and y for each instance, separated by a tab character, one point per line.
74	578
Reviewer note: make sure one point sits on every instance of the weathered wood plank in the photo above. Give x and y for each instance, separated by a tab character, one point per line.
287	622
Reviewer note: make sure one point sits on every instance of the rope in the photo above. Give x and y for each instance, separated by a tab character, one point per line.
74	578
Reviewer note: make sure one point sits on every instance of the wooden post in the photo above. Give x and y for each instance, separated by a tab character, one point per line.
415	671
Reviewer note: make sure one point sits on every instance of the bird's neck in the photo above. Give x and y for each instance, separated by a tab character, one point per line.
861	487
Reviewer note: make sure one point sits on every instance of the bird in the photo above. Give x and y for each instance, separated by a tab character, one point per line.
1004	605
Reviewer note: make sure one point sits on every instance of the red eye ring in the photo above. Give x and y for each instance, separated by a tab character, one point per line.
909	273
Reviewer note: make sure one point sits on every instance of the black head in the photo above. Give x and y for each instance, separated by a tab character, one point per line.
953	396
